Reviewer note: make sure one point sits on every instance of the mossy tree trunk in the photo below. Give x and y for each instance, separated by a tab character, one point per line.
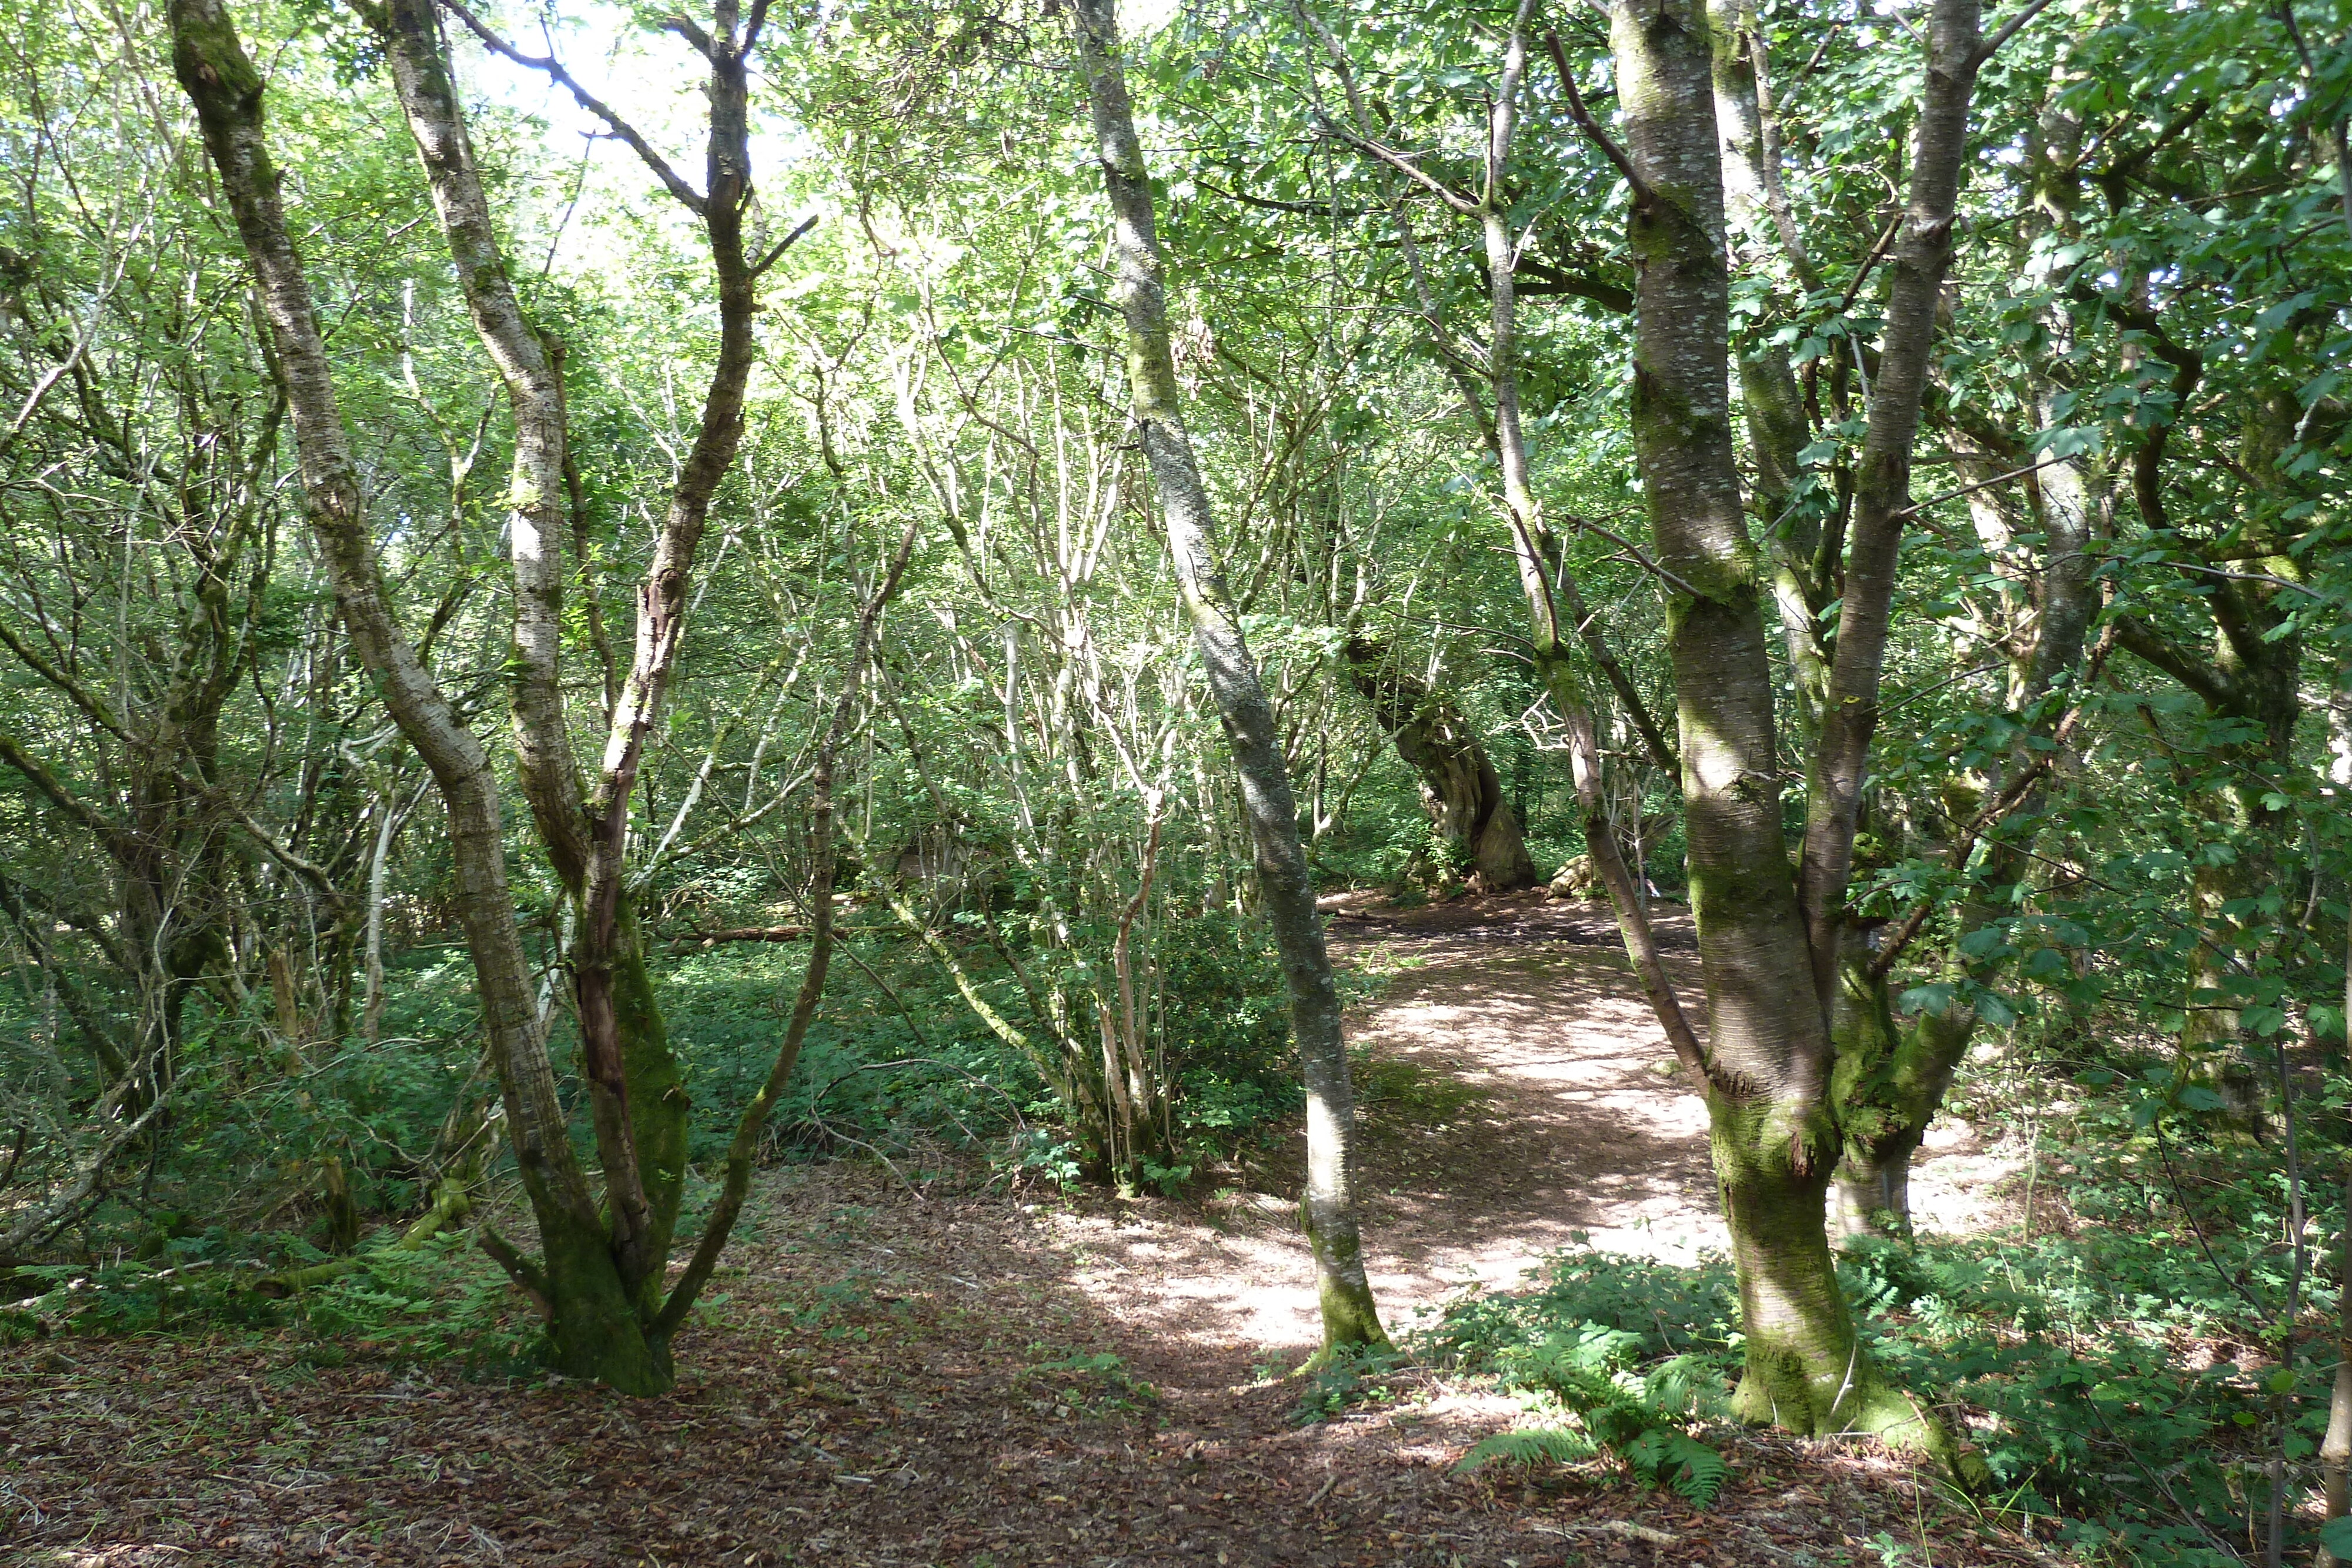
219	78
1888	1083
1327	1209
1460	788
1769	1052
1892	1081
599	1276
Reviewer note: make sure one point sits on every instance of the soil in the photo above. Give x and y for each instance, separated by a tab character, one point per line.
950	1373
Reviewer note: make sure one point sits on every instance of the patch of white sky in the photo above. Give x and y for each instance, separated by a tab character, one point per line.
653	81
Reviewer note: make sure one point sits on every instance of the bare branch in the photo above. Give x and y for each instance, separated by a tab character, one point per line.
549	67
1591	127
1403	164
1861	274
783	246
701	41
309	871
1991	45
1639	556
752	30
54	789
1919	507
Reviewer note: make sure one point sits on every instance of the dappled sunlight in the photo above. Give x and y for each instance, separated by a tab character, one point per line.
970	1376
1523	1110
1573	1124
1962	1184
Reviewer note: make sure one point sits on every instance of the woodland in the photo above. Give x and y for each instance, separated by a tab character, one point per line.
829	783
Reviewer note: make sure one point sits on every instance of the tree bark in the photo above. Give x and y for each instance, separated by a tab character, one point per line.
639	1125
636	1087
595	1327
2335	1447
1770	402
1889	1084
1775	1137
1882	495
1886	1103
1459	785
1328	1207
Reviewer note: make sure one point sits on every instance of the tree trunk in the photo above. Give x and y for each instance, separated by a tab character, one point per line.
1891	1090
1770	403
1460	788
621	1034
593	1323
1328	1207
636	1089
1921	256
1775	1137
1889	1084
2336	1449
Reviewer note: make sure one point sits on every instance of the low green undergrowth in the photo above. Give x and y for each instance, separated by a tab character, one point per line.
1641	1412
1615	1355
2118	1378
444	1301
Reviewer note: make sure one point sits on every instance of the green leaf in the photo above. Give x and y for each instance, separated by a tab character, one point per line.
1558	1445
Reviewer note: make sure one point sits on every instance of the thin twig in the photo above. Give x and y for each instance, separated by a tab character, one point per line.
1590	127
783	246
1634	550
549	67
1919	507
1886	239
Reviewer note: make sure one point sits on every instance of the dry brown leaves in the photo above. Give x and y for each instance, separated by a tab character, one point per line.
889	1383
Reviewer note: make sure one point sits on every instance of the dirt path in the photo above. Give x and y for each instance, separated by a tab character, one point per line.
1514	1098
1519	1094
971	1378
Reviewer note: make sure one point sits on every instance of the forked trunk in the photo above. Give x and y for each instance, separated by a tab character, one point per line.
599	1276
226	90
1768	1052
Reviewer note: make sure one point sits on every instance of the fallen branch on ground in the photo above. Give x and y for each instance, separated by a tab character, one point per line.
450	1207
694	941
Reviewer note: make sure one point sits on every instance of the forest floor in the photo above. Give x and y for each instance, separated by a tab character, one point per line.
945	1373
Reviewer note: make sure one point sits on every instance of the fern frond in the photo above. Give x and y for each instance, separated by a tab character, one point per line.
1686	1385
1663	1456
1528	1447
